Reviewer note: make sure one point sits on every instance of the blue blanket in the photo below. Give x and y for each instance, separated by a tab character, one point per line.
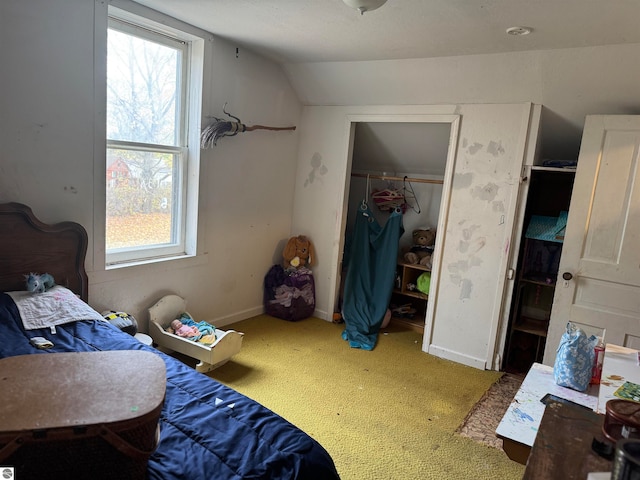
203	327
208	431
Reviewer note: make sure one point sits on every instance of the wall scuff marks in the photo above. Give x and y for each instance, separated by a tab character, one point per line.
463	180
473	148
486	193
318	169
495	148
459	270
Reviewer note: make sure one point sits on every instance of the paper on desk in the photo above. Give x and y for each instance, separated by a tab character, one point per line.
628	391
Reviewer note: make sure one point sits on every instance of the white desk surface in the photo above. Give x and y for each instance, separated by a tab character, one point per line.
522	419
620	365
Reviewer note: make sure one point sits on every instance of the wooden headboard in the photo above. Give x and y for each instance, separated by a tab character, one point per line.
28	245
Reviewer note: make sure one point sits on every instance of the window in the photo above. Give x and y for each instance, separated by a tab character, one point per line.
150	186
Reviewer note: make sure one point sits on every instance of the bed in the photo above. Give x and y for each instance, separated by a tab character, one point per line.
207	430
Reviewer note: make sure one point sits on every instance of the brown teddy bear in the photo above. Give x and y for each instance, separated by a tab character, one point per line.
298	252
422	248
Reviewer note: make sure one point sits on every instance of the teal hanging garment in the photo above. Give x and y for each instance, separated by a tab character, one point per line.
370	276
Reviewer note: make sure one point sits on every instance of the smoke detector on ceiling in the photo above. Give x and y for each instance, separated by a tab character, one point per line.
518	31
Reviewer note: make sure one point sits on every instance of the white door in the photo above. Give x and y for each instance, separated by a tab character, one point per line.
598	283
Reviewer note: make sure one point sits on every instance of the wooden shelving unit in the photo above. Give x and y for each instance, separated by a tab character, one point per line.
532	326
549	196
406	293
532	309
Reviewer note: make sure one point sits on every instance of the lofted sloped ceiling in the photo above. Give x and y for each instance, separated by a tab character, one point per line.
401	148
301	31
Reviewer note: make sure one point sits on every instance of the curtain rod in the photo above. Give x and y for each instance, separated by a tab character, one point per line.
397	179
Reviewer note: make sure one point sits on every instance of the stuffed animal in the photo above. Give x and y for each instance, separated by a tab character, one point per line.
298	252
37	283
422	248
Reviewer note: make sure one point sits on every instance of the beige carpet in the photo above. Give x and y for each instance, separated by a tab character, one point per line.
483	419
391	413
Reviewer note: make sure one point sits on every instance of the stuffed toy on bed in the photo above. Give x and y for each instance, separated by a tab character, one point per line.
298	253
37	283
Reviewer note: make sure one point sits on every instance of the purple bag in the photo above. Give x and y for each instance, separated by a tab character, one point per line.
289	295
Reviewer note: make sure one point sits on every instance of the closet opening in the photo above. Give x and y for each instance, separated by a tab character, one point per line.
396	164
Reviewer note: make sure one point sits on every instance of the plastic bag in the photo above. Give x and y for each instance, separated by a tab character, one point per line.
574	359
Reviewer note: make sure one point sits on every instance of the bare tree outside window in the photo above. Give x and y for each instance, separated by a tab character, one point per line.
145	151
141	90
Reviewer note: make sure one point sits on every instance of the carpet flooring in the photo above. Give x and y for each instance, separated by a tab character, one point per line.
483	419
390	413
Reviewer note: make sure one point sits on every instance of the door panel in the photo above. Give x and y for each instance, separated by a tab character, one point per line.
602	243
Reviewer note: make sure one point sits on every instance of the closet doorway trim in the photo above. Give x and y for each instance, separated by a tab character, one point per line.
350	123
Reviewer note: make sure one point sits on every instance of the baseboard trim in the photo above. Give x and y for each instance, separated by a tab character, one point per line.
237	317
457	357
252	312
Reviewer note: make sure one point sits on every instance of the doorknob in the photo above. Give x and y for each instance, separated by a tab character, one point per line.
567	276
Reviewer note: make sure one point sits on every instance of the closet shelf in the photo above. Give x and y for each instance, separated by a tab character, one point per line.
417	325
417	266
542	280
532	326
421	296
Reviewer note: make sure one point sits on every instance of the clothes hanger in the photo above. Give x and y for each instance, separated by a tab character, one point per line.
411	194
363	206
388	198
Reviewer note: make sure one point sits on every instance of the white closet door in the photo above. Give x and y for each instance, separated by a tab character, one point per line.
474	250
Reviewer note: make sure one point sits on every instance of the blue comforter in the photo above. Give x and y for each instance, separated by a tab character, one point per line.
208	431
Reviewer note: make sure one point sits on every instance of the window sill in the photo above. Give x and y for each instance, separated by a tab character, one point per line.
146	267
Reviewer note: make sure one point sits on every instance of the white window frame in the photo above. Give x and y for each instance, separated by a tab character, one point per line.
187	152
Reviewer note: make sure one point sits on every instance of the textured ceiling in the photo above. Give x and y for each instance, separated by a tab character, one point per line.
299	31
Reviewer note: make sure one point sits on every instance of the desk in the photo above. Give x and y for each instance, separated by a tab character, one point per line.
620	365
519	425
562	449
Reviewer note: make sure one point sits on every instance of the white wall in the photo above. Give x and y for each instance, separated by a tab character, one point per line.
51	132
568	83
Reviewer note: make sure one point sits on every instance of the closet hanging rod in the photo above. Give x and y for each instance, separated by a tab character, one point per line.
397	179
